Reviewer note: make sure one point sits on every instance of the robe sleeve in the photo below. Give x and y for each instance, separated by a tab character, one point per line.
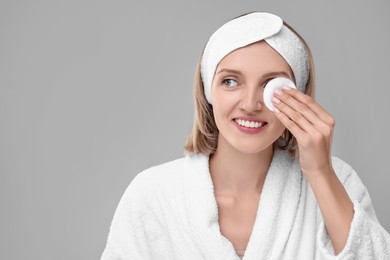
134	229
367	239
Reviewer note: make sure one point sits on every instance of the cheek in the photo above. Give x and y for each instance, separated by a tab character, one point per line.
278	127
219	112
222	104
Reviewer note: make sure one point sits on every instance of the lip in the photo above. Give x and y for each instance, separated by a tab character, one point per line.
248	130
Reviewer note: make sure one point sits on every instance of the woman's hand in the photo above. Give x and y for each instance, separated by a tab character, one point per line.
311	125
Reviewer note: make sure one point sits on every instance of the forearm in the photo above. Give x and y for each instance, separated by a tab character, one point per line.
335	205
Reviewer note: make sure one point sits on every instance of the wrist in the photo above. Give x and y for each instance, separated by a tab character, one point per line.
321	173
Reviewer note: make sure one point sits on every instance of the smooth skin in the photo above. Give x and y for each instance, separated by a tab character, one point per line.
239	166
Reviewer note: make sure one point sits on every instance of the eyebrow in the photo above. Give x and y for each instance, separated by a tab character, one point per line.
269	74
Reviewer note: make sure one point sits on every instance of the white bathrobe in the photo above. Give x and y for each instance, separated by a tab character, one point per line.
170	212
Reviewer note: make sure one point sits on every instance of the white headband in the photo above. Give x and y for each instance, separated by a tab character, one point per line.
248	29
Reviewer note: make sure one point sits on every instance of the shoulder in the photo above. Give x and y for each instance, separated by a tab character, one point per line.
170	176
172	170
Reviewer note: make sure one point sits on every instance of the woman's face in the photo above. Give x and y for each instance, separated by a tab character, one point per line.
243	121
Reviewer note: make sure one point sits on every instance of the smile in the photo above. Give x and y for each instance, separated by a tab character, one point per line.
249	124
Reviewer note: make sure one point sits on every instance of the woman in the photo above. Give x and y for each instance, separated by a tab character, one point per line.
256	182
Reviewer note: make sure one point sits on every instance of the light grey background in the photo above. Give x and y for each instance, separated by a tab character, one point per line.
92	92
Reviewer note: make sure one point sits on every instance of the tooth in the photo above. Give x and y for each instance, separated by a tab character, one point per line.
250	124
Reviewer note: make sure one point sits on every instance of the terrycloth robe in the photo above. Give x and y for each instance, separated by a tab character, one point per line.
170	212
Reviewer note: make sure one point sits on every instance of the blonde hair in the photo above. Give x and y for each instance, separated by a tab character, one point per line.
204	134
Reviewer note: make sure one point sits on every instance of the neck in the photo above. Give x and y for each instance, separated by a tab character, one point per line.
238	174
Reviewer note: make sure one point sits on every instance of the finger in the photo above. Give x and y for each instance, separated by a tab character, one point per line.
311	103
300	107
293	115
289	124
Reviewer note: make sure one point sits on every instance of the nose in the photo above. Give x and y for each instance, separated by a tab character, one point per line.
252	99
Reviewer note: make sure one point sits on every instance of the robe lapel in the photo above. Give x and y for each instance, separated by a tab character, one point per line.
277	209
203	212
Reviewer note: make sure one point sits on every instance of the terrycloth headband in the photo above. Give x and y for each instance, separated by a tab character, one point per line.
248	29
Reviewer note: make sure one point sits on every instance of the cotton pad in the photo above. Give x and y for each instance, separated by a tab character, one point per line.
272	85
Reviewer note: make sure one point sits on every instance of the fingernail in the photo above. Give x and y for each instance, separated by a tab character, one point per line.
278	92
276	110
286	88
276	100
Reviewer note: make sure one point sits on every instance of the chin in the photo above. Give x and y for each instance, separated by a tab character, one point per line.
252	148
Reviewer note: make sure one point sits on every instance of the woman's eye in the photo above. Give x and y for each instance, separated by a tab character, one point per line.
230	82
